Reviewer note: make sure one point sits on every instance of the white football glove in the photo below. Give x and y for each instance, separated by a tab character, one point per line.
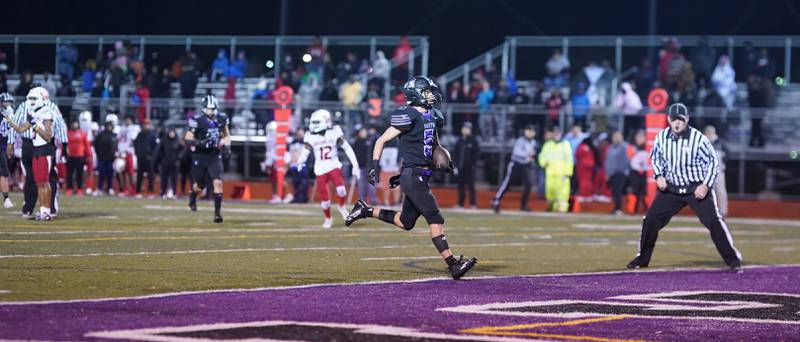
356	173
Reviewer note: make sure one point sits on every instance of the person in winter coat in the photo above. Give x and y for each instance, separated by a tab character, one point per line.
145	144
586	160
168	155
105	146
723	79
466	155
617	167
556	159
629	105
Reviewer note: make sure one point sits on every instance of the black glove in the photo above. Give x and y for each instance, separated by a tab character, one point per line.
394	181
372	174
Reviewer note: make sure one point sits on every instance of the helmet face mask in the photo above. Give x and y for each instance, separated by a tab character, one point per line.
37	98
320	121
421	91
209	105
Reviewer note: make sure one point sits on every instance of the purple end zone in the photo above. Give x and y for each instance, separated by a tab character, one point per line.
761	304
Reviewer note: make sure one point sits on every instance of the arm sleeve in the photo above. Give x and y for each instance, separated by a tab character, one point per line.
712	162
348	150
59	126
401	120
656	157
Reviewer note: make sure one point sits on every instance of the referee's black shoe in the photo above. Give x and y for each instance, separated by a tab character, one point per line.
636	263
217	218
360	210
736	267
461	267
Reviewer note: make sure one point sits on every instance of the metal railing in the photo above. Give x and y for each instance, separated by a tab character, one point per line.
509	48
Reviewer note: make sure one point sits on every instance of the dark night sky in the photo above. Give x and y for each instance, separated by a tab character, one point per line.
458	30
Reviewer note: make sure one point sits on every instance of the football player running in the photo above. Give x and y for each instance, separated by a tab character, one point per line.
416	126
324	139
208	138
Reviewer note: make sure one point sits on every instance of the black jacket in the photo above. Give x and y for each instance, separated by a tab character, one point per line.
145	144
363	151
169	151
105	145
466	153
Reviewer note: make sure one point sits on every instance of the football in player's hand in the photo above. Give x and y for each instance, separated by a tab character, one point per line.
441	158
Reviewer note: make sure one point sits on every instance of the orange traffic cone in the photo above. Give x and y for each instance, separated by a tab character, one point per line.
631	203
576	205
246	195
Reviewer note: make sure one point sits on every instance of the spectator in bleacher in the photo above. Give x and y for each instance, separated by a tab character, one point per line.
585	164
362	147
67	92
645	78
78	149
557	70
381	68
703	60
640	163
670	52
317	52
219	68
761	95
25	84
521	98
3	65
145	146
87	78
502	93
723	81
105	146
485	116
190	72
48	83
116	80
309	89
580	103
329	92
456	93
142	97
617	167
400	57
630	106
67	56
167	156
685	86
465	157
554	103
351	93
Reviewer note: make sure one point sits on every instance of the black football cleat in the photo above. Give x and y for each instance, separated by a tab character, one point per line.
193	206
360	210
460	268
217	218
495	206
636	263
736	267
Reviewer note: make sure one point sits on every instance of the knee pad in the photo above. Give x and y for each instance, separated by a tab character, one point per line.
325	204
341	191
408	221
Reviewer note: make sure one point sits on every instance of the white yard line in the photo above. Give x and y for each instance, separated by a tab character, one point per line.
401	258
262	211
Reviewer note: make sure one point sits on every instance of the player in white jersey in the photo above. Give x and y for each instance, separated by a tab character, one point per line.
127	133
324	139
91	128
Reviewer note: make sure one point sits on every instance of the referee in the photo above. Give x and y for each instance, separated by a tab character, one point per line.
685	166
59	137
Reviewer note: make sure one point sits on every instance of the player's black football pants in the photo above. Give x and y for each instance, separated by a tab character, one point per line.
667	204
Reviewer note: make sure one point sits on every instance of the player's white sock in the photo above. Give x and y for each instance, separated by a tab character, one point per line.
343	211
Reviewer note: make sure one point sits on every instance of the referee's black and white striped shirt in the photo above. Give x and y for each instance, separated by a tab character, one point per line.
59	126
685	158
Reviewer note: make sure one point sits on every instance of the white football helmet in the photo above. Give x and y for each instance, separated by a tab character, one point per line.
112	118
37	98
85	117
272	127
320	121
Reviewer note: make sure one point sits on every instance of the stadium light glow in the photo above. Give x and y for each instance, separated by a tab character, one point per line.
307	58
270	64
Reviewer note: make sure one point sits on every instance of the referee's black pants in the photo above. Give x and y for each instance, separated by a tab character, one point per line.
667	204
30	193
515	170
